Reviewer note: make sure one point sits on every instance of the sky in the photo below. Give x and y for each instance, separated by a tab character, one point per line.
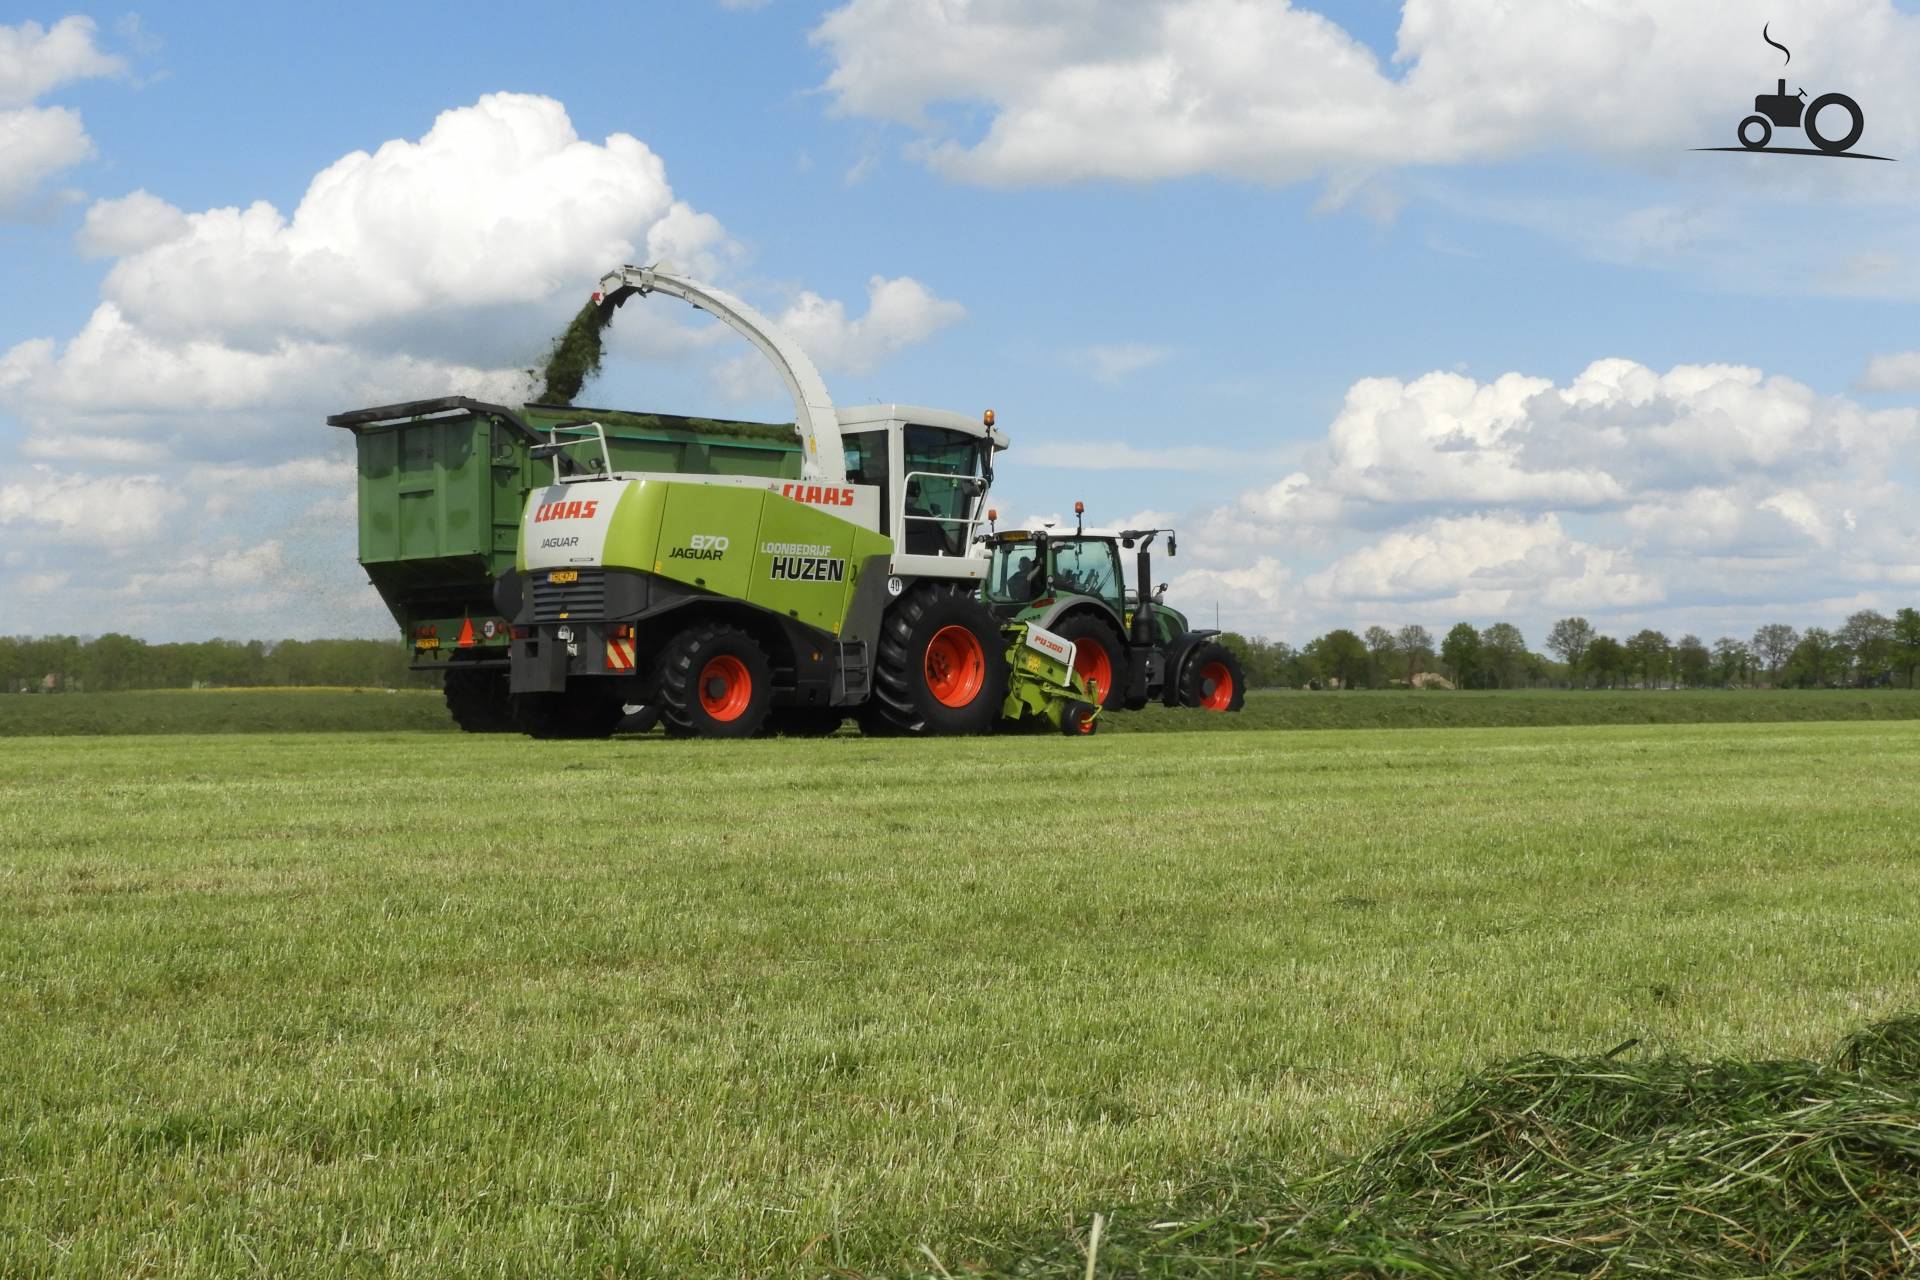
1401	314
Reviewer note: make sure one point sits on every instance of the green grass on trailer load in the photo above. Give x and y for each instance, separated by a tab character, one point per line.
422	1005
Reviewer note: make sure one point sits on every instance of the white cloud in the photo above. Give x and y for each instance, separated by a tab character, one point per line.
1259	89
900	312
1899	371
136	221
112	512
38	142
1112	363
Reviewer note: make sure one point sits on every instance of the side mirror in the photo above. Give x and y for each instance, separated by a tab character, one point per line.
1173	547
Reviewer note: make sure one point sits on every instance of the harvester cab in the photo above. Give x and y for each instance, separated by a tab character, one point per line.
1128	645
729	604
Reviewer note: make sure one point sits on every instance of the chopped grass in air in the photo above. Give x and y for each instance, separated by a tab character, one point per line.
576	354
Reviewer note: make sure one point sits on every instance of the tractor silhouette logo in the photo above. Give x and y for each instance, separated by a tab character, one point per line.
1832	122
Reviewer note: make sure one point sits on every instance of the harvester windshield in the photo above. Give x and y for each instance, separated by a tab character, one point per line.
946	475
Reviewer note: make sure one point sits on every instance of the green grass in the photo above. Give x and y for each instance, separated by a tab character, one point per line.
375	710
423	1005
175	711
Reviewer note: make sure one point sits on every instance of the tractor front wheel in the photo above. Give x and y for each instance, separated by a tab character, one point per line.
714	682
1099	657
941	666
1211	679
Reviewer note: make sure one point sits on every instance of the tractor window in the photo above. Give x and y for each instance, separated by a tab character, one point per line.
1088	567
938	507
1014	576
866	455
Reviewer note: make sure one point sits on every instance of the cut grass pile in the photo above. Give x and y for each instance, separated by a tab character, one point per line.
373	711
1592	1166
427	1005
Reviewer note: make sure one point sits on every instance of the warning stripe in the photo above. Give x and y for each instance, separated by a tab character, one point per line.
619	655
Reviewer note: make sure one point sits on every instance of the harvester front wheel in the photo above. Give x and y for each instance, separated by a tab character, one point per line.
941	666
1211	679
1098	656
478	701
714	682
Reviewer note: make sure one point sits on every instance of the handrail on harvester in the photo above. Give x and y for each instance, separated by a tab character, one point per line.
814	417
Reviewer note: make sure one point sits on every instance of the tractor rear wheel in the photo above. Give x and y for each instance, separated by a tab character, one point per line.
478	700
1099	657
577	713
1211	679
714	682
941	666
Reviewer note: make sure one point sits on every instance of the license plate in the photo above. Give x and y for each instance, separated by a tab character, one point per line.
426	644
560	576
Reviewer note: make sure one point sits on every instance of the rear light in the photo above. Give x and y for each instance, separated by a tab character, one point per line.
426	633
1041	604
623	631
521	633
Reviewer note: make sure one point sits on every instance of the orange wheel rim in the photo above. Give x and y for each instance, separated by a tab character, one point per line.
956	666
726	687
1221	696
1086	722
1090	663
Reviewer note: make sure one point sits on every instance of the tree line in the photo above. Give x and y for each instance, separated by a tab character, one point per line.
1868	649
114	662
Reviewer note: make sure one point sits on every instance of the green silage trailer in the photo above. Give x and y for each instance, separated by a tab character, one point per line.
443	486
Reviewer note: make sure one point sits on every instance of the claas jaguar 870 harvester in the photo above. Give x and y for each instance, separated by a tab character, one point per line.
729	602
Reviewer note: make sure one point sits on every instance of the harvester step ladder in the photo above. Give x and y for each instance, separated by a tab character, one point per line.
853	673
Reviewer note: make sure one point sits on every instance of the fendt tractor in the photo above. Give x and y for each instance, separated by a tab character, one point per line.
1129	646
699	574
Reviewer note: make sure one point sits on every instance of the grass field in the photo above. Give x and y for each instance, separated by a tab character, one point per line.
422	1005
377	710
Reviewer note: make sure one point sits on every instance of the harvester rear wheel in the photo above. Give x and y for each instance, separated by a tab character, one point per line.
1099	656
941	666
1211	679
714	682
478	701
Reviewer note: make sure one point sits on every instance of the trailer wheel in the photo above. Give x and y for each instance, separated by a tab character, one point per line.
714	682
577	713
1212	679
478	701
941	666
1099	656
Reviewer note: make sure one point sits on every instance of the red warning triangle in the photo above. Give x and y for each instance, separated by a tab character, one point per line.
466	634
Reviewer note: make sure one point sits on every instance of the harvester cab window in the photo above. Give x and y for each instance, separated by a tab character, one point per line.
1088	567
867	462
941	470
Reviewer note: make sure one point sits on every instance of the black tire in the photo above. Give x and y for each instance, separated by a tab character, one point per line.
478	700
1085	629
1078	720
1766	132
1211	679
805	722
714	682
1810	121
904	700
577	713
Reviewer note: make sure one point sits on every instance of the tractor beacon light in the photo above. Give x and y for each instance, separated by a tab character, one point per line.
986	419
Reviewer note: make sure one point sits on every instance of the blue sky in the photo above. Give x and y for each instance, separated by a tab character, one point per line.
1334	312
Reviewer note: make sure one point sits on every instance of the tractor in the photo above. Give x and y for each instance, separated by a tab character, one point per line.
723	606
1129	646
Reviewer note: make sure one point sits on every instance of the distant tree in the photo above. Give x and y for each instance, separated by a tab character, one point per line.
1648	652
1867	637
1732	661
1569	639
1906	641
1460	653
1416	649
1504	651
1341	655
1772	645
1692	663
1606	658
1811	665
1380	647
